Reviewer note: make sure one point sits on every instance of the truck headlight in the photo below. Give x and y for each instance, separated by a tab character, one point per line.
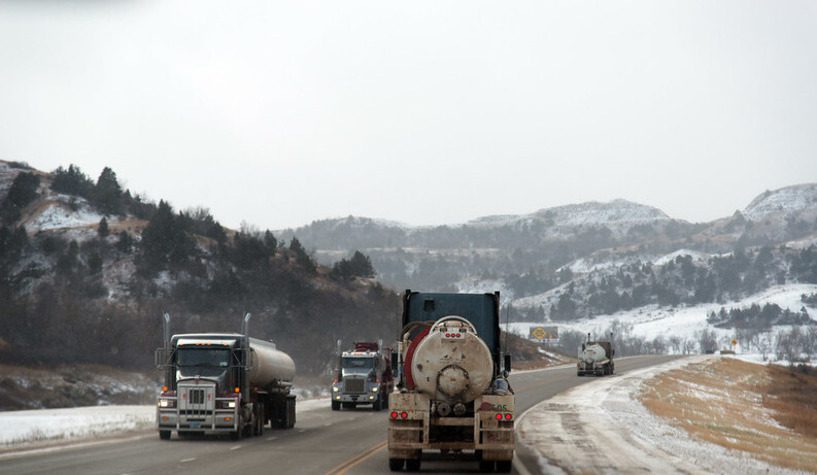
168	403
375	389
231	405
335	389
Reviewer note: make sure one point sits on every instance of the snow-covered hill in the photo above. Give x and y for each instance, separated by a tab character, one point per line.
788	200
683	321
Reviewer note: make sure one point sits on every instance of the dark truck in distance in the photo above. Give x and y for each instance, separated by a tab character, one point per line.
223	383
364	377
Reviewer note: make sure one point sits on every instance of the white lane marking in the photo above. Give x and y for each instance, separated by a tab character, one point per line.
301	431
187	460
235	448
271	438
327	424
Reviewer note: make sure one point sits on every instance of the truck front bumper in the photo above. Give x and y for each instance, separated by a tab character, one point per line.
220	420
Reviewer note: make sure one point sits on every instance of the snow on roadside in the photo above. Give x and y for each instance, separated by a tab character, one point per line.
17	427
601	427
24	427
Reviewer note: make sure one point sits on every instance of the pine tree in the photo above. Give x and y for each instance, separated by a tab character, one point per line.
165	243
107	193
23	191
102	230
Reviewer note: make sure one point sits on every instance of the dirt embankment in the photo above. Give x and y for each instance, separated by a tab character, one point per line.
768	412
72	386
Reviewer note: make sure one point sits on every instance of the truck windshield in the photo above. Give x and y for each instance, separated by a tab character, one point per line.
203	357
358	364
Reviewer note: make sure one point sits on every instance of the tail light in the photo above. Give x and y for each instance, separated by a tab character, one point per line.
508	416
394	414
404	415
499	417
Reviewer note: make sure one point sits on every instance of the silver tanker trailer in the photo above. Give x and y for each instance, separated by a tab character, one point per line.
223	383
596	357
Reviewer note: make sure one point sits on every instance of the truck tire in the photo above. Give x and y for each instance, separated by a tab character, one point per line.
164	434
413	465
396	465
377	405
236	434
503	466
259	419
290	412
486	465
335	405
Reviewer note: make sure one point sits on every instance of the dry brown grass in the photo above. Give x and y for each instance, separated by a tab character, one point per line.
761	410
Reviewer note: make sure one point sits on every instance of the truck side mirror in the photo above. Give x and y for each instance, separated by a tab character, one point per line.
507	363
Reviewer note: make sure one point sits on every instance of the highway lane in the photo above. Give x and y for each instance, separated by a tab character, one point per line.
323	441
530	388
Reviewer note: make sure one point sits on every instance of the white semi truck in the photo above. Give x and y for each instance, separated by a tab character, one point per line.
223	383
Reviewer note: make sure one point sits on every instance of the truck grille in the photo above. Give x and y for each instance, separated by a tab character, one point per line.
196	400
354	385
197	396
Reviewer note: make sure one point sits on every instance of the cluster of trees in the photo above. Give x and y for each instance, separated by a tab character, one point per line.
760	317
359	265
685	281
794	344
626	343
810	299
99	299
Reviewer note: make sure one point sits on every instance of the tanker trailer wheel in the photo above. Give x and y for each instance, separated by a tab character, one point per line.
396	465
259	419
335	405
164	434
503	466
413	465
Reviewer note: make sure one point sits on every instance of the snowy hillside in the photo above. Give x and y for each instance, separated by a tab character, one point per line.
653	321
785	201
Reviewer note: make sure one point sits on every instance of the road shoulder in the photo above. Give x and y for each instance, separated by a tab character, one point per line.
601	427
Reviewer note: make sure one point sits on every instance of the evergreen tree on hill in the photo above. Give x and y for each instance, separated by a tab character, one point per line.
22	192
165	244
107	194
301	257
72	182
102	230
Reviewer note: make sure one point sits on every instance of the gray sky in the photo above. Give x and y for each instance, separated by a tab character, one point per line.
424	112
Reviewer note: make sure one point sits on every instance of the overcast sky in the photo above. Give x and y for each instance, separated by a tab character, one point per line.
278	113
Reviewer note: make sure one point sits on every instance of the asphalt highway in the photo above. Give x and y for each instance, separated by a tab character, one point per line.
322	442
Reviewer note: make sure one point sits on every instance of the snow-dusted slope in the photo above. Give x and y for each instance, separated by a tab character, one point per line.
615	214
684	322
786	200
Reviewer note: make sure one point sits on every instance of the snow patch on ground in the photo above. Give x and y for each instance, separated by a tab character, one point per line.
600	427
24	427
17	427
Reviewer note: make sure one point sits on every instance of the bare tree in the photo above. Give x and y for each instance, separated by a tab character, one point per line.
689	346
675	342
789	344
707	340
